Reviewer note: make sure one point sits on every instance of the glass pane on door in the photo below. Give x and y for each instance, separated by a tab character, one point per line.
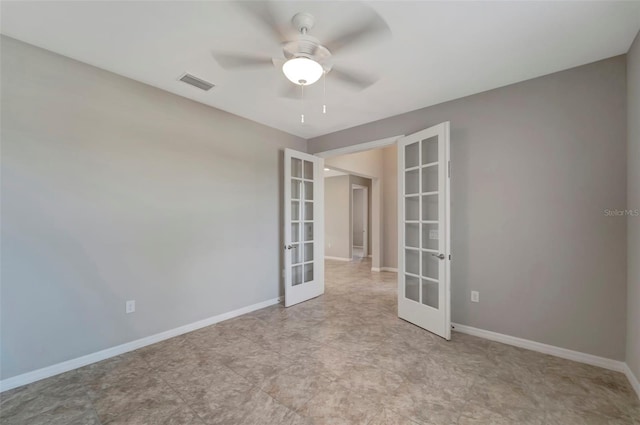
421	229
430	179
430	293
412	208
412	182
411	155
430	265
308	211
308	252
296	167
430	236
412	262
296	254
302	221
412	288
412	235
430	150
295	189
308	272
430	207
308	170
308	191
308	232
295	210
296	275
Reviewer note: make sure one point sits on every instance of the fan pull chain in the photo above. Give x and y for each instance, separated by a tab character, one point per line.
324	92
302	103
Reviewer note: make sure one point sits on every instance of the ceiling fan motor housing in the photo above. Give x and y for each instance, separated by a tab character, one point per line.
308	47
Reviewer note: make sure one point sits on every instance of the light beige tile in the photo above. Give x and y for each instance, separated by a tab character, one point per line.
475	414
131	394
64	392
428	404
336	404
162	415
252	407
296	385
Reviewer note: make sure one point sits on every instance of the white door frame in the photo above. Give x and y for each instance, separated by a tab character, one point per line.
365	217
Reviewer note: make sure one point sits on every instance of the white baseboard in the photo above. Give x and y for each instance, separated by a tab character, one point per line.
564	353
326	257
632	378
46	372
384	269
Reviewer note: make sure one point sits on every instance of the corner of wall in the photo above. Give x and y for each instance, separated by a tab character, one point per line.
633	218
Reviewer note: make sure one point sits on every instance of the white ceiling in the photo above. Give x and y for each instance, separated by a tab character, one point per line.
438	51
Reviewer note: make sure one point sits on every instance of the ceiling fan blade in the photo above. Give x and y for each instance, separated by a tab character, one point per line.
289	90
278	62
234	60
367	30
355	79
262	12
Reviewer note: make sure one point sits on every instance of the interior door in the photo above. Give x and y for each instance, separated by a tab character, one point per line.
303	227
424	261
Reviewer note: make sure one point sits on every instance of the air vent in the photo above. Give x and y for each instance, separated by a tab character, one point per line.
196	82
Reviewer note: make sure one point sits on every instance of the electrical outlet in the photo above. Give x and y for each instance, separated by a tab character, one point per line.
130	306
475	296
433	234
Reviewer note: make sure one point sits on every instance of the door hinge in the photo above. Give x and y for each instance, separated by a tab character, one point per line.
449	168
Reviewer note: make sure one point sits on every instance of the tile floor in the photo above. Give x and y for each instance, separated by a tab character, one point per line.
343	358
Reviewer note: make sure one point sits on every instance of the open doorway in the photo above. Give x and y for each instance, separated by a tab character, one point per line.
359	221
348	221
356	218
423	224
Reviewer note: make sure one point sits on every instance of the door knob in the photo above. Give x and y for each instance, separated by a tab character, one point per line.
440	256
288	247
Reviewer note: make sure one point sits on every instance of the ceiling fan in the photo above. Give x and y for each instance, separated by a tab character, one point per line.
305	59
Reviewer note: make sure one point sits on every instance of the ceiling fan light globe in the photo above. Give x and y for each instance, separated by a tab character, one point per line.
302	71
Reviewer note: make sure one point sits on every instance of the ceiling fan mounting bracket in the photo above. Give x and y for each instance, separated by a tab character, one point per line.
303	22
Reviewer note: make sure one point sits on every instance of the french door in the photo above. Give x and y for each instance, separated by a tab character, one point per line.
424	261
303	227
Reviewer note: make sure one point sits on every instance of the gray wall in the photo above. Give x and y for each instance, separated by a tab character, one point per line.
336	217
633	203
114	190
390	207
535	164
